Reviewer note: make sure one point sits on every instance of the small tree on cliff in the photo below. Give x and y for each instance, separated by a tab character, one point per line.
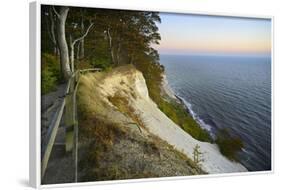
197	155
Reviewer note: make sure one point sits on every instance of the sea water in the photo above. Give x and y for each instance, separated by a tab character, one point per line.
231	92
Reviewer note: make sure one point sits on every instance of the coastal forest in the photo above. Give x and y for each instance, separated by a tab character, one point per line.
114	142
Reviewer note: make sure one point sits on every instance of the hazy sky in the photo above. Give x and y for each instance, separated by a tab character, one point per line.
195	34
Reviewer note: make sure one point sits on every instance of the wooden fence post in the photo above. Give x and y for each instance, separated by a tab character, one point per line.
69	121
75	152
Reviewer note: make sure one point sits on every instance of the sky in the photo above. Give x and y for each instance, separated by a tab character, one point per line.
198	34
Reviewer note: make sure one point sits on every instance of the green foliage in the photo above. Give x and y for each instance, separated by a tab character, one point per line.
99	56
100	62
179	115
48	81
50	73
229	145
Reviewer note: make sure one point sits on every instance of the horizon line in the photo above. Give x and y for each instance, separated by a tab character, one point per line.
218	54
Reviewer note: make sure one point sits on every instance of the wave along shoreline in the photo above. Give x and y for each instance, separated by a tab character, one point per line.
187	105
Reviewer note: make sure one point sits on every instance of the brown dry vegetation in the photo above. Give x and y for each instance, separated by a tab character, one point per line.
121	150
124	107
117	152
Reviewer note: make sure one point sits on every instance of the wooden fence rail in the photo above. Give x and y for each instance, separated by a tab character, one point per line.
68	108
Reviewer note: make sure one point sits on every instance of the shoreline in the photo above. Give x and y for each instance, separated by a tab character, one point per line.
167	89
188	107
198	120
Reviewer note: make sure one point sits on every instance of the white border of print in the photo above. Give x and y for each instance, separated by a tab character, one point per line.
35	94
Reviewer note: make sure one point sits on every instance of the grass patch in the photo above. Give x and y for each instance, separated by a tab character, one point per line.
103	136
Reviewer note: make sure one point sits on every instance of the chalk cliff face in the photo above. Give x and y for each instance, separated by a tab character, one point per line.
121	96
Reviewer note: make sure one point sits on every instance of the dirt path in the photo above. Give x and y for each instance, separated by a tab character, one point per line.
60	167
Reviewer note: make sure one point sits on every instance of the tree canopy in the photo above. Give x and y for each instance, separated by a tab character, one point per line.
99	37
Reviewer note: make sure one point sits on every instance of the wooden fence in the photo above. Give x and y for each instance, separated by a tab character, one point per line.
68	109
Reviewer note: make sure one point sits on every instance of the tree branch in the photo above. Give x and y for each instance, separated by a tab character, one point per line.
84	35
55	11
51	31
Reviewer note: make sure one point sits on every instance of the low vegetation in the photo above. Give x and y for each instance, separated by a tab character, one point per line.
50	73
229	145
103	134
115	152
123	105
179	115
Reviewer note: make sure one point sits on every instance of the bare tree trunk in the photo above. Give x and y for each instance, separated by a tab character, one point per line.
118	53
82	50
71	53
62	44
110	45
72	45
78	51
131	59
52	31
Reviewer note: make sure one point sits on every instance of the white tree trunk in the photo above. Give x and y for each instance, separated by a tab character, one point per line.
62	44
110	45
71	53
72	45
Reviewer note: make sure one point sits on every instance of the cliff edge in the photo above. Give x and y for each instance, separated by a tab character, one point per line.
129	137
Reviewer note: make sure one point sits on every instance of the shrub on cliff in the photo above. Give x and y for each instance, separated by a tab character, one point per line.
229	145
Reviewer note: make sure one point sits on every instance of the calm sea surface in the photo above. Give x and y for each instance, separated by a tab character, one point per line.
228	92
